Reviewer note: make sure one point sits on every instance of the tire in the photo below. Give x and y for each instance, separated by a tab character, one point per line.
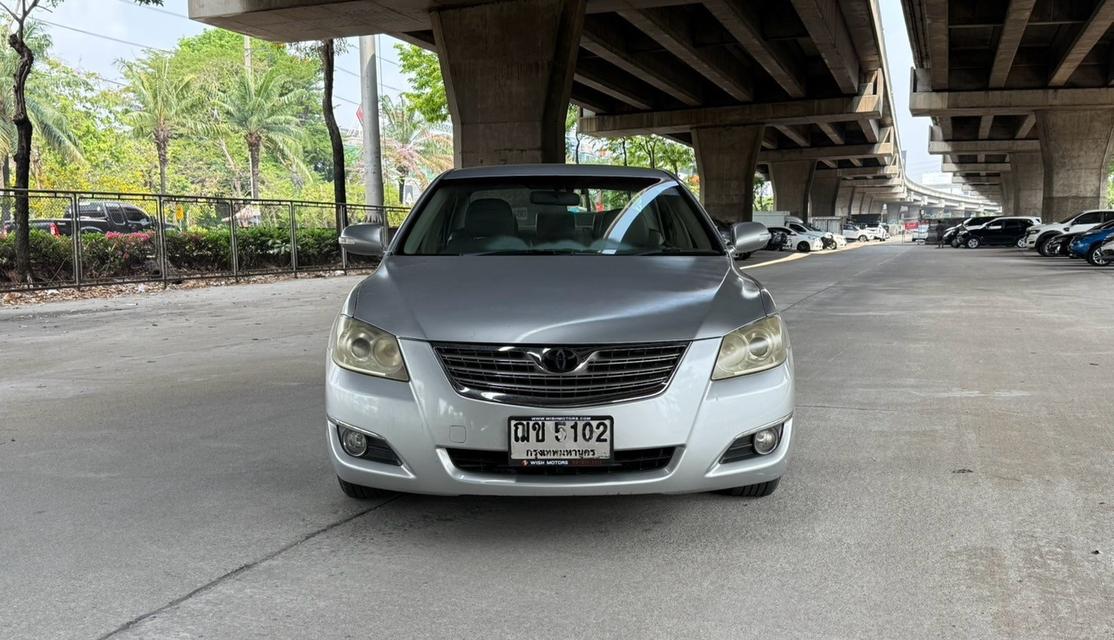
1045	249
972	243
1021	242
955	243
1096	258
862	238
760	490
360	492
803	247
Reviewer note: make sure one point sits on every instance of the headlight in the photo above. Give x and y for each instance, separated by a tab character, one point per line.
756	347
362	348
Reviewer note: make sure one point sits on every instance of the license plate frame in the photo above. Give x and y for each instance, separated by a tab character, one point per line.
549	447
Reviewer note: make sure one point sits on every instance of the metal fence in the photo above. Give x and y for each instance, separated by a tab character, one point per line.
93	238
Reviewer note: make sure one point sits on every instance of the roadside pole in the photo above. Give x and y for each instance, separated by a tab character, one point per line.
369	94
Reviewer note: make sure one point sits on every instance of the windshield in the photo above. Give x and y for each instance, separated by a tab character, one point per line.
812	228
560	215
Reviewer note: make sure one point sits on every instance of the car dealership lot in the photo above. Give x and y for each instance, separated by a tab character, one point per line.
164	475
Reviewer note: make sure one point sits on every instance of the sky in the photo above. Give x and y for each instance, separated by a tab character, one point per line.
118	30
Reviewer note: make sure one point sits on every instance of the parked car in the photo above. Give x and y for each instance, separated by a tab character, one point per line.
1039	235
879	230
854	232
802	228
483	356
1000	232
1108	251
951	234
803	241
1089	244
97	216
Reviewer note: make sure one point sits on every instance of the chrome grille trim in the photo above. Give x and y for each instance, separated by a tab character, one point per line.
513	374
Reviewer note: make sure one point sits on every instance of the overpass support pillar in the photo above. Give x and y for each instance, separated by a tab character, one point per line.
509	95
1008	193
726	158
858	203
822	197
843	199
1075	148
792	185
1027	182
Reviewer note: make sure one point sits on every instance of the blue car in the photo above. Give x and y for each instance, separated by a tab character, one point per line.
1089	245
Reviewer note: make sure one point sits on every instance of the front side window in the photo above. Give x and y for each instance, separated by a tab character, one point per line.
557	215
1093	217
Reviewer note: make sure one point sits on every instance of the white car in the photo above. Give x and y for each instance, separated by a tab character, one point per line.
827	238
1040	234
879	230
862	234
1107	250
800	241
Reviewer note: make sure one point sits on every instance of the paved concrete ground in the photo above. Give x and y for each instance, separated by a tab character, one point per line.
162	474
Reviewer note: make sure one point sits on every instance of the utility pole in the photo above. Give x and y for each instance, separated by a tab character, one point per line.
369	94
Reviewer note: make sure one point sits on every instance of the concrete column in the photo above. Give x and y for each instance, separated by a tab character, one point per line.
1075	148
508	70
792	180
725	159
1008	194
843	199
1027	181
823	196
858	203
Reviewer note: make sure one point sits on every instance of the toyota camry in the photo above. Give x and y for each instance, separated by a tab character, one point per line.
558	330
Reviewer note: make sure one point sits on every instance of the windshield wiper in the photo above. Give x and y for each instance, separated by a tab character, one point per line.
530	252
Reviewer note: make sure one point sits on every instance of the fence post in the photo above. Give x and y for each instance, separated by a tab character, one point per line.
75	236
160	234
232	242
293	240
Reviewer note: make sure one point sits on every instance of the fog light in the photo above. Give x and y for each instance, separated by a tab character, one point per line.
765	441
354	442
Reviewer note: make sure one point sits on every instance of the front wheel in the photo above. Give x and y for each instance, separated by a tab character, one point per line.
760	490
803	247
1048	247
862	238
955	243
1021	243
972	243
1098	258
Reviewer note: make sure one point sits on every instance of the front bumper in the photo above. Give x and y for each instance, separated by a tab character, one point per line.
421	420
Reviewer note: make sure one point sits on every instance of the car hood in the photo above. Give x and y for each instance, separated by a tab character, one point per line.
1092	236
558	299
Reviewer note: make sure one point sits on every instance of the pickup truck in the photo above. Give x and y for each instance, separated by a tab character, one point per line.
97	216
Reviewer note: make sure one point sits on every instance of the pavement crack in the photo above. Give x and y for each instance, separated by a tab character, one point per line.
244	568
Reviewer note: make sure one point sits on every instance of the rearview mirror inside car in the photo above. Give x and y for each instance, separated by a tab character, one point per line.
560	198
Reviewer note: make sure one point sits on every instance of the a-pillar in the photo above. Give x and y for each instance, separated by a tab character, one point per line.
823	196
1075	148
792	181
508	93
1027	180
725	159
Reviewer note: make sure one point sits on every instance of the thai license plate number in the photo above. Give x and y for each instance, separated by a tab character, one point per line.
561	440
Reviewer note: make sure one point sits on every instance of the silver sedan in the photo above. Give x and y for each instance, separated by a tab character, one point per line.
558	330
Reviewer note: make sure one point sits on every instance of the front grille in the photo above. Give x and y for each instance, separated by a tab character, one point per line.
497	462
515	374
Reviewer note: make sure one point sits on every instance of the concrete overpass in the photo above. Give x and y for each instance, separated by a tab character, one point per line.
1021	93
797	89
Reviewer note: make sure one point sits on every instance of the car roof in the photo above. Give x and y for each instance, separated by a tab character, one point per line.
542	170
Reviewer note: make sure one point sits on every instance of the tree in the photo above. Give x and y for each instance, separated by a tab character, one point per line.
264	114
412	147
336	143
165	105
423	70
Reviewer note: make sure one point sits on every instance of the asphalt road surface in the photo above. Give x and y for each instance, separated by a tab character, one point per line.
163	475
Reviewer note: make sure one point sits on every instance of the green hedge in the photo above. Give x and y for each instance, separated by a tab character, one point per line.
196	252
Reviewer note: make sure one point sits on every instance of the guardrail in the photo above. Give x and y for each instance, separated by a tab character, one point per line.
81	238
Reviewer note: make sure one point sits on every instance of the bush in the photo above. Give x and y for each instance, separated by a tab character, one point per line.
51	257
204	251
118	255
263	248
318	247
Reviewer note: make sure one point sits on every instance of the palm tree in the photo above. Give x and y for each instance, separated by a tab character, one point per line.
165	105
265	114
411	145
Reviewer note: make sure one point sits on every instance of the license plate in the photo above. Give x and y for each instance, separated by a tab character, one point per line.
560	440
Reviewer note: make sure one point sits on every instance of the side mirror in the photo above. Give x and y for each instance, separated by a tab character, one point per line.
749	236
364	239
